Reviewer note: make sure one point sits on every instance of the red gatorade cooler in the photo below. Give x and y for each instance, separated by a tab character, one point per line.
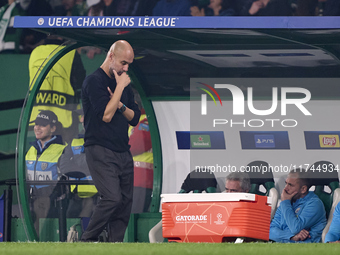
215	217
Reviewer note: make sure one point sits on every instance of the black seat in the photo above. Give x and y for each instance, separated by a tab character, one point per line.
199	181
260	173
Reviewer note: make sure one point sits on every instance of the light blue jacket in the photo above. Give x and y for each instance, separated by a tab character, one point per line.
306	213
333	233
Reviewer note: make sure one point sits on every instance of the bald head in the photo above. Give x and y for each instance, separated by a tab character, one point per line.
121	46
119	57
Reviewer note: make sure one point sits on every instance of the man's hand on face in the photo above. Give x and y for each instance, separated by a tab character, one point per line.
123	79
286	196
301	236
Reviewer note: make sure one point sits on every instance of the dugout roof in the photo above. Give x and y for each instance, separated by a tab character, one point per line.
168	56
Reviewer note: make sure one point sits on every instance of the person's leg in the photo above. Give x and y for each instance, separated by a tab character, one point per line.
119	222
138	200
141	199
74	206
41	206
104	169
87	207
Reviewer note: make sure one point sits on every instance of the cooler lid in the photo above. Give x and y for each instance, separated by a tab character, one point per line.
210	197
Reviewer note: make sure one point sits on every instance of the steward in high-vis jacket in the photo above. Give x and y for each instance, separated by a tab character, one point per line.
141	150
60	90
42	164
43	156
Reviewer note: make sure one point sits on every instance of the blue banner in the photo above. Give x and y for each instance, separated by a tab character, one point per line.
176	22
322	140
191	140
264	140
2	212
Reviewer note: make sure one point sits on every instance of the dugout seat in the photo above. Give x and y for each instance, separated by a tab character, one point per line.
324	177
196	182
262	182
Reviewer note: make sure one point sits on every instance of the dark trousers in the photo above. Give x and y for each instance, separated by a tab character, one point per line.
112	174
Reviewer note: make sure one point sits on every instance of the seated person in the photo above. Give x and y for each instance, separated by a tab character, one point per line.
332	8
333	234
237	182
301	216
42	161
265	8
172	8
215	8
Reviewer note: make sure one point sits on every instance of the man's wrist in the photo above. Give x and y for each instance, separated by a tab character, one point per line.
293	238
122	109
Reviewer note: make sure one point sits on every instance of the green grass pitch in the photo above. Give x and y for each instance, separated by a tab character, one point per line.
167	248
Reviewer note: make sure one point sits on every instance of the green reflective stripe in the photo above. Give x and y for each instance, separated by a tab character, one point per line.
146	157
31	154
86	191
77	142
51	154
142	117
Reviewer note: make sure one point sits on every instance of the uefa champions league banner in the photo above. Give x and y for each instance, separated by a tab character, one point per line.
176	22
